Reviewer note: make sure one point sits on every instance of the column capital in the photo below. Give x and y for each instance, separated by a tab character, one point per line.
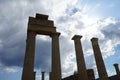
31	32
115	64
94	40
53	34
43	72
76	37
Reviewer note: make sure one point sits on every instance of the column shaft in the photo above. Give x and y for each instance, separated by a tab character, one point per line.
34	75
91	75
117	70
43	75
28	67
56	65
50	76
99	60
80	58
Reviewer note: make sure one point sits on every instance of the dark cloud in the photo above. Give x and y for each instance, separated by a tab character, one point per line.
43	55
12	35
12	54
3	1
13	29
112	31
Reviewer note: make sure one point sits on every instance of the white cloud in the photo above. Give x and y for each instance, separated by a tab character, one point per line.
10	70
68	65
5	69
111	73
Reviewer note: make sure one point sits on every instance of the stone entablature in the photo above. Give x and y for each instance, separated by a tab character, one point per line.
41	25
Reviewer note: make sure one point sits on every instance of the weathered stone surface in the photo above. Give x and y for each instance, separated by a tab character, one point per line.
41	16
43	23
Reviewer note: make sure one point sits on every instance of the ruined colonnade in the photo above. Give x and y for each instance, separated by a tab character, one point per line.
41	25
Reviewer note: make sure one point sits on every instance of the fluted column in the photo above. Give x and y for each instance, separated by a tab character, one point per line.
56	64
43	75
80	58
117	70
99	60
28	67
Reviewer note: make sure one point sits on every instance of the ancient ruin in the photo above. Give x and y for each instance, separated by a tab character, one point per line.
40	25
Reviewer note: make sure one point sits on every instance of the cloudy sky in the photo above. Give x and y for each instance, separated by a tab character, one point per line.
89	18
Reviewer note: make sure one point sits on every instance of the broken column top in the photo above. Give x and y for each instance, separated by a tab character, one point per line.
76	37
41	16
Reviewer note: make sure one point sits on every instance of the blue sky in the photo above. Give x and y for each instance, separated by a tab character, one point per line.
89	18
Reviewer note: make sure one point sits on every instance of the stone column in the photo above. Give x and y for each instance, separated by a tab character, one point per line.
56	64
28	67
117	70
99	60
80	58
50	76
34	75
90	74
43	75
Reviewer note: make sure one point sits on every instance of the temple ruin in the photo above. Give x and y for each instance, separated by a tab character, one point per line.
40	25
